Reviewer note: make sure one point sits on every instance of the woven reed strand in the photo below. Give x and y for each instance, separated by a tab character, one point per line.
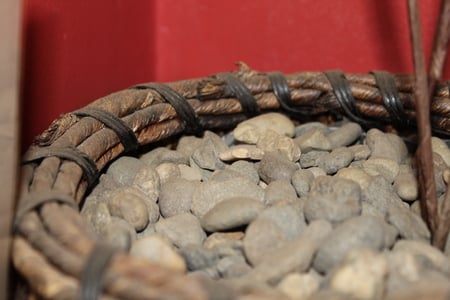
52	243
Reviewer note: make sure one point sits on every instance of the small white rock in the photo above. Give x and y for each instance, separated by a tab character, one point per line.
299	286
157	250
385	167
361	274
250	130
440	147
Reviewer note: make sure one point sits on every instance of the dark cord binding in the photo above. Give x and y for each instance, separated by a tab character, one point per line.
391	99
242	93
90	171
343	93
184	110
124	133
94	269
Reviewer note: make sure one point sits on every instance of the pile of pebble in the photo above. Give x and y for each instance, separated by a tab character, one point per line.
306	212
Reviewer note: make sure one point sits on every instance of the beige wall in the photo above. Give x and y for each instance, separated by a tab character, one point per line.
9	79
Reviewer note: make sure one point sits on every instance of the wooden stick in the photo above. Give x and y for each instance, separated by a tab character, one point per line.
424	153
436	67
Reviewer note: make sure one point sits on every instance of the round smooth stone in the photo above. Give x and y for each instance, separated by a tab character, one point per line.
250	131
157	250
182	230
231	213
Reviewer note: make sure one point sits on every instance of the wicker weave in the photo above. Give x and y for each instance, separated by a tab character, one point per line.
52	242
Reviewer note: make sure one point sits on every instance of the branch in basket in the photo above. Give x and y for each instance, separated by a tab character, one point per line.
440	45
424	155
436	67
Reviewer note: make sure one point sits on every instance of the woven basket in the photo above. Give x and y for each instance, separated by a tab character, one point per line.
55	250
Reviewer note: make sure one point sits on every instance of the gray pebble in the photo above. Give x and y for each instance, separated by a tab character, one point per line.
302	180
124	169
231	213
405	184
271	141
436	257
129	204
299	285
360	275
189	173
335	160
242	151
205	174
176	197
167	171
431	285
249	131
367	209
147	180
345	135
333	199
390	235
379	193
360	152
157	250
327	294
98	215
387	168
232	259
415	208
280	191
357	175
302	129
261	237
225	174
439	168
357	232
313	139
273	167
149	230
288	217
316	171
281	262
386	145
225	243
212	192
317	231
207	155
404	268
409	224
312	158
188	144
182	230
234	270
153	212
163	155
440	147
246	169
197	257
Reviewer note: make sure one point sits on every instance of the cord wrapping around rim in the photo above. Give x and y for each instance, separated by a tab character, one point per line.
184	110
94	269
342	91
125	134
242	93
280	88
90	171
391	99
35	200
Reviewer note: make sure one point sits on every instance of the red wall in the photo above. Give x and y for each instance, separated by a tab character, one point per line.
75	51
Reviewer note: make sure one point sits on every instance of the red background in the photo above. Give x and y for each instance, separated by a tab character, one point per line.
75	51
